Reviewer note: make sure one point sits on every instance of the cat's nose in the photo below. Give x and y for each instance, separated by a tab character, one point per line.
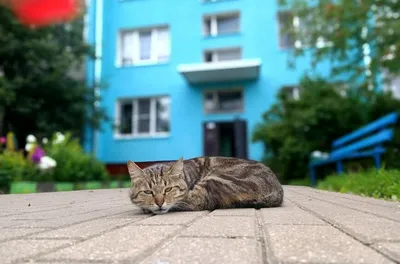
159	199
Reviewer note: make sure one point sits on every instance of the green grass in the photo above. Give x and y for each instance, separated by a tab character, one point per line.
384	184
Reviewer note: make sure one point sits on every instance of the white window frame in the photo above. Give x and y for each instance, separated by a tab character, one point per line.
135	118
214	25
215	93
136	50
321	43
293	90
214	53
391	83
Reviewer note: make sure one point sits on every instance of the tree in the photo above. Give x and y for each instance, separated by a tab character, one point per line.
40	88
292	128
360	37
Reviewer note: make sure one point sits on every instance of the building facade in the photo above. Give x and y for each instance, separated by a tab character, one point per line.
186	77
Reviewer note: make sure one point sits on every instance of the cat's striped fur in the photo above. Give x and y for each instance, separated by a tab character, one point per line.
205	183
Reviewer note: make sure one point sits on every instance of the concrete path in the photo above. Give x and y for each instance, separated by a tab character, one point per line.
101	226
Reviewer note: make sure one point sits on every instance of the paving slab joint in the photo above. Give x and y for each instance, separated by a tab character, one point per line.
260	237
334	225
348	207
76	241
164	242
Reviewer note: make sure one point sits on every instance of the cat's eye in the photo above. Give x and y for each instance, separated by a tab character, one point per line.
168	189
148	192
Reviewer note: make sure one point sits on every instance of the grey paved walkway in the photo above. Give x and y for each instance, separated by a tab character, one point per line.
101	226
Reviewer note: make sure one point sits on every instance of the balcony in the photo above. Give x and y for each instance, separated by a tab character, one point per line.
224	71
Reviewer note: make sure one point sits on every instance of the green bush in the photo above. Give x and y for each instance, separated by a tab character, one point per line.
73	164
300	182
14	167
291	129
372	183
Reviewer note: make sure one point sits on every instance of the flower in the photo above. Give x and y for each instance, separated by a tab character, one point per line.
46	163
45	140
59	138
29	146
38	154
3	140
31	139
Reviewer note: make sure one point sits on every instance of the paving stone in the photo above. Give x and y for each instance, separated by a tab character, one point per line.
8	233
319	193
364	206
366	227
173	218
234	226
316	244
18	249
391	250
210	251
369	229
124	243
387	209
133	213
11	221
85	229
73	219
326	209
234	212
88	261
294	216
115	230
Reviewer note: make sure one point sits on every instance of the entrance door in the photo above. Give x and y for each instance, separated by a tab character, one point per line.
211	139
228	139
240	137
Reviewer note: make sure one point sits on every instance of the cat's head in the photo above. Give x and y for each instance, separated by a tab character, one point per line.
157	188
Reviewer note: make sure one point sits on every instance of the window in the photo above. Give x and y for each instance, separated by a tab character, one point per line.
391	83
285	20
290	25
221	24
144	116
223	101
395	87
143	46
223	55
291	92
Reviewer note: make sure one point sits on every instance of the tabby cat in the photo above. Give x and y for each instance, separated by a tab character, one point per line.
205	183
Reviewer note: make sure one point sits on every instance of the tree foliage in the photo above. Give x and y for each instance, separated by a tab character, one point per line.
291	129
42	88
361	38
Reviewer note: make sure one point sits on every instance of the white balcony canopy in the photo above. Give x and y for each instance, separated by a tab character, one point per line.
225	71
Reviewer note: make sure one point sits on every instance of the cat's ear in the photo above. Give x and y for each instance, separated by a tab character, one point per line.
134	170
176	168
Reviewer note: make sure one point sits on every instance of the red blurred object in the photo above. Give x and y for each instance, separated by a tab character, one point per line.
45	12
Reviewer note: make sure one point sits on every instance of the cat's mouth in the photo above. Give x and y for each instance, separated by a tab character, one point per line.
160	211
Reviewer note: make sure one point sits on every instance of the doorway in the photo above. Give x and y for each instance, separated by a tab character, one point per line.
227	139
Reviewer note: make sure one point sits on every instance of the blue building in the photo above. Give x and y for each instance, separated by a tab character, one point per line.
186	77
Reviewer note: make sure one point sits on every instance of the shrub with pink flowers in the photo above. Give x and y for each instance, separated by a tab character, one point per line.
60	158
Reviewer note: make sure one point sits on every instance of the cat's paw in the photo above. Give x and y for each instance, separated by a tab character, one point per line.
146	211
